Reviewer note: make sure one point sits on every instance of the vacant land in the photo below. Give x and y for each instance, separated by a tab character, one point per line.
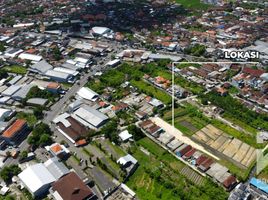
187	120
152	91
16	69
159	177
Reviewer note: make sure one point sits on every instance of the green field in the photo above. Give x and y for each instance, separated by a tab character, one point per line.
152	91
158	177
16	69
193	4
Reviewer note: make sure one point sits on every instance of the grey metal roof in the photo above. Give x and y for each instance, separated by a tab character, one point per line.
41	67
56	74
15	79
37	101
22	92
11	90
56	168
90	115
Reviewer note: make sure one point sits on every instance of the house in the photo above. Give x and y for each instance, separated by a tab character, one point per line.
58	150
129	163
88	94
16	133
53	87
183	150
120	107
71	187
125	136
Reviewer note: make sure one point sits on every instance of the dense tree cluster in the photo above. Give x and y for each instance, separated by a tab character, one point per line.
41	135
235	109
9	171
36	92
196	50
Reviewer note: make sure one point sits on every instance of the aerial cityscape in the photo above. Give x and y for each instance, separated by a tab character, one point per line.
134	100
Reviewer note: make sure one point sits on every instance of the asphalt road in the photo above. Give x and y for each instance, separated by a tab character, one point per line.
59	106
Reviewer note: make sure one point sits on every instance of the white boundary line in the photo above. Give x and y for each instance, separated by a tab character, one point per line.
173	80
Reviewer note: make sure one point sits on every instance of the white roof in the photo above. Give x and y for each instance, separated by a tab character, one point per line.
155	102
27	56
113	62
4	113
41	67
100	30
128	190
88	94
90	115
56	168
80	59
65	70
125	135
36	176
62	118
128	158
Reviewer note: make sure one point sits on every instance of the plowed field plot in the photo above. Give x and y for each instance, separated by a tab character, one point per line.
192	175
233	148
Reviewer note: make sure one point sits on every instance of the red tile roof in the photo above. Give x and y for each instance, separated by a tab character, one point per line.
14	128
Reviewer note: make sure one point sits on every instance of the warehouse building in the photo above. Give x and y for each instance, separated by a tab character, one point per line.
41	67
31	57
88	94
90	117
39	177
60	76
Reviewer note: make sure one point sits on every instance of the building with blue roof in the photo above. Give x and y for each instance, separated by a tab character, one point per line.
261	185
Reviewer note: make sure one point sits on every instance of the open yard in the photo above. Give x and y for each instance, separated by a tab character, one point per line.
185	121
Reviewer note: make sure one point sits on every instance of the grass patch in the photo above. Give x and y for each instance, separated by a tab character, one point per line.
241	174
193	4
87	152
158	177
16	69
191	86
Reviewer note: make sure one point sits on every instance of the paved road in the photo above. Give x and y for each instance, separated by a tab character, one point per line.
59	106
